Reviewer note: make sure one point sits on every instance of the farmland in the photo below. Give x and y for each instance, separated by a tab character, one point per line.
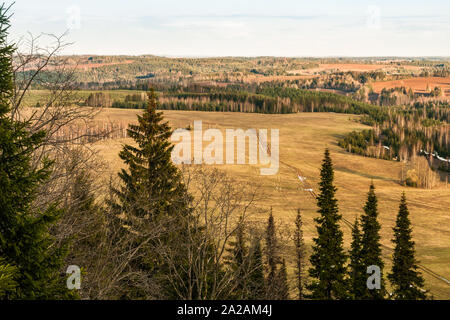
361	67
418	85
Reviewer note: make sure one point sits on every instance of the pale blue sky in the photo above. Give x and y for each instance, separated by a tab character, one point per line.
242	27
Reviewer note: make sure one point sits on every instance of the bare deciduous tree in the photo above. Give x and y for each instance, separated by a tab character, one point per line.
221	204
42	67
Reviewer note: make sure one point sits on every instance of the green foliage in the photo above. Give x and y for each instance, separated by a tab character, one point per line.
256	287
239	264
359	141
6	52
148	71
234	101
98	99
317	101
152	185
283	290
85	224
272	259
371	248
404	130
8	273
300	254
276	279
406	280
266	98
25	241
357	272
328	258
129	104
152	198
386	97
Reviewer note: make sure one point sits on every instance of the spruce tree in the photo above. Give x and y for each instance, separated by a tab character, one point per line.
152	198
272	258
151	185
283	287
328	258
256	285
406	280
299	254
357	272
371	247
8	273
25	241
238	263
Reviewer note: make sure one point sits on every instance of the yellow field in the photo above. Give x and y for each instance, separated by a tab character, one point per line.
418	85
303	138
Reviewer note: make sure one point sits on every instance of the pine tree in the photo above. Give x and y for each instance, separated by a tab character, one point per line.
299	253
25	241
371	247
357	272
272	258
328	257
256	286
406	281
283	287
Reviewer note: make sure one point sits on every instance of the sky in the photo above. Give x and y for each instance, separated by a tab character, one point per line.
201	28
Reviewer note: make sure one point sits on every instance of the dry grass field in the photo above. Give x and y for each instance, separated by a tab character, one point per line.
303	138
418	85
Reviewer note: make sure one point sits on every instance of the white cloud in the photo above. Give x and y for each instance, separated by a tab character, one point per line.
284	28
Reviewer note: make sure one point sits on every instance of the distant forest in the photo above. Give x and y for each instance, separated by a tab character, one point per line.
398	132
404	123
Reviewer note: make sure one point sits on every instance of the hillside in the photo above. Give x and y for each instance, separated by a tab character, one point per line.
303	137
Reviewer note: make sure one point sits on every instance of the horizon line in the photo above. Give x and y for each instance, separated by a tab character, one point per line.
255	56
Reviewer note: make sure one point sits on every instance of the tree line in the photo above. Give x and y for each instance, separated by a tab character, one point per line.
405	131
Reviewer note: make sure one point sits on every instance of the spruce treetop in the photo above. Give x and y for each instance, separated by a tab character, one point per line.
328	259
152	184
6	52
371	251
357	270
405	278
